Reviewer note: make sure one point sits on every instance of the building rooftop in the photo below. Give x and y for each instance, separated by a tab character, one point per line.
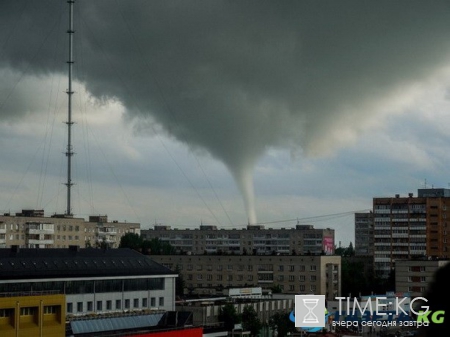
27	263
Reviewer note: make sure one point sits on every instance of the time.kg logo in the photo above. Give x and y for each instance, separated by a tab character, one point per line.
309	311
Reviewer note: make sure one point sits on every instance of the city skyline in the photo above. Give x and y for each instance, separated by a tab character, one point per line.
180	106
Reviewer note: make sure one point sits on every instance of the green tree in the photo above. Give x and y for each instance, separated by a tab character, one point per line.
281	323
179	283
229	316
158	247
132	241
345	251
250	320
276	289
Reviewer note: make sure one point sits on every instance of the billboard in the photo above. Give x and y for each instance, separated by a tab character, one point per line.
328	245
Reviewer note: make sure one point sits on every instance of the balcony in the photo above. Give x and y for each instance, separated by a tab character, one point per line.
40	242
40	231
107	232
2	230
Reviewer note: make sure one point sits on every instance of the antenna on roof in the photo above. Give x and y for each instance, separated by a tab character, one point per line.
69	152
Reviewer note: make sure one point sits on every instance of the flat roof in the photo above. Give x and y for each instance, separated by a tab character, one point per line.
40	263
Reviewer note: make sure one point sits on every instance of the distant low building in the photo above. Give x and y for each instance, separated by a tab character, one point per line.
252	240
31	229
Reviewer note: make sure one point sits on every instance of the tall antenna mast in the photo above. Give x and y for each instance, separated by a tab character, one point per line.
69	152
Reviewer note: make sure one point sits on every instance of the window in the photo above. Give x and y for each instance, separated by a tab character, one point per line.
80	307
291	278
136	303
28	311
99	305
313	268
144	303
90	306
127	304
302	287
313	278
301	278
152	302
219	277
118	304
108	305
48	310
7	312
161	301
291	268
69	308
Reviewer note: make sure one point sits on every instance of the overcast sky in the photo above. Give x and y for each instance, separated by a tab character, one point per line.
224	112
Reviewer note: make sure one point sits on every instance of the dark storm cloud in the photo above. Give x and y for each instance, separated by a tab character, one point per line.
237	77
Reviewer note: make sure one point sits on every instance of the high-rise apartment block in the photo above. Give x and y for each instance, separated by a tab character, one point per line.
31	229
253	240
364	234
410	227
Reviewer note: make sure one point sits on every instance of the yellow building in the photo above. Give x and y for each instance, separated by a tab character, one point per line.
30	314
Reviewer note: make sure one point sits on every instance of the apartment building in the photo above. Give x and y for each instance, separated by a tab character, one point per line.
410	227
303	239
364	234
295	274
31	229
414	276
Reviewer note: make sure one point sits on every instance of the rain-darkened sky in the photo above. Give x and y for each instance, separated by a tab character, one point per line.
224	112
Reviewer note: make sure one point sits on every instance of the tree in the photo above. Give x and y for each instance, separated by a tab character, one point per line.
131	240
345	251
158	247
281	323
229	316
250	320
179	283
276	289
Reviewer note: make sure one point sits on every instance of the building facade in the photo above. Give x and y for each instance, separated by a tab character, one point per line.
410	227
31	229
29	314
94	281
295	274
303	239
414	276
206	311
364	234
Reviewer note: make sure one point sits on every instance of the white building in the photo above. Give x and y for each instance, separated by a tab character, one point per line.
93	280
